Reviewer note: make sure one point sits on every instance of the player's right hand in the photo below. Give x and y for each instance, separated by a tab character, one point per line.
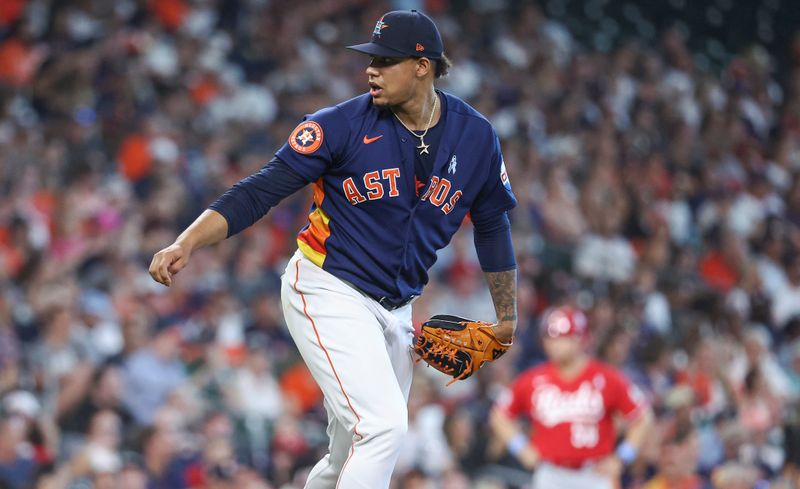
168	262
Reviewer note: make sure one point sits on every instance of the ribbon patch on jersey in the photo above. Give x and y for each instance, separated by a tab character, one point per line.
306	137
451	167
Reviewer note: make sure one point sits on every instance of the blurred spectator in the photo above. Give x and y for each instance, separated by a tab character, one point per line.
62	362
757	354
9	346
100	453
759	409
161	460
254	391
101	325
105	393
464	441
787	298
677	460
265	327
705	378
564	223
772	249
733	475
151	374
16	466
602	252
793	367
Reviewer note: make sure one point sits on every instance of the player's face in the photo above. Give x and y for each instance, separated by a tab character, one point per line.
392	81
562	348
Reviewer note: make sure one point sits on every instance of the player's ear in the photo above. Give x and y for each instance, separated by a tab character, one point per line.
424	66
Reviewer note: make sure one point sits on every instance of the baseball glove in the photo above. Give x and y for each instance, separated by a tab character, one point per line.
458	346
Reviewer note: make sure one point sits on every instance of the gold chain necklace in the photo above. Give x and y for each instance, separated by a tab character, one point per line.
423	148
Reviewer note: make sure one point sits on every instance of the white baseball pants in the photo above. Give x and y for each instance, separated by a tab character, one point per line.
549	476
358	352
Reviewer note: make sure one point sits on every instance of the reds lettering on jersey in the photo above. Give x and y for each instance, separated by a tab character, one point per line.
372	223
573	420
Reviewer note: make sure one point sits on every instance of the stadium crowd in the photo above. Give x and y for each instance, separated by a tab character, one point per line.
662	198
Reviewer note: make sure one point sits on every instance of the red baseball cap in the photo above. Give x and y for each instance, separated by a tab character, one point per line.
564	321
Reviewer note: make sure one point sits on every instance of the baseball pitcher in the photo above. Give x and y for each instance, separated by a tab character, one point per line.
395	172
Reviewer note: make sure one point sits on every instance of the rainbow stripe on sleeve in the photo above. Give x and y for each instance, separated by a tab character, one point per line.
311	240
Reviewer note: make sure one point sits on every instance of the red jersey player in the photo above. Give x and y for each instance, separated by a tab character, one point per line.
571	402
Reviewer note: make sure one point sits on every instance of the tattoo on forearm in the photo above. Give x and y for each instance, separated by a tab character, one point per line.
503	287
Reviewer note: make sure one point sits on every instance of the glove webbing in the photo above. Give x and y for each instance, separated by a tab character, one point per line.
445	356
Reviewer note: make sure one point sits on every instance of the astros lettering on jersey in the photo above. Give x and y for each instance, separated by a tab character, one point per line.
369	224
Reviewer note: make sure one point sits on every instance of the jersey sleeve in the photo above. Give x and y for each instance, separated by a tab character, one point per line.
316	143
496	196
626	398
252	197
493	244
515	400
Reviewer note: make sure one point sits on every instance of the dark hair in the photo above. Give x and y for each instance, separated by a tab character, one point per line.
443	66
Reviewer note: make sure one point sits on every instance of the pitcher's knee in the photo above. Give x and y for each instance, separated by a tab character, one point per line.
390	429
398	428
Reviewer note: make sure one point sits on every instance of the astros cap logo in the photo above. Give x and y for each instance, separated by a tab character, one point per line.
306	137
379	26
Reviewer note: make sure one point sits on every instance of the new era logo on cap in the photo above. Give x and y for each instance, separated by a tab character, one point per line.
403	33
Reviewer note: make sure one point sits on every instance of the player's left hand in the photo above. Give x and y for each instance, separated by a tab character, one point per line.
529	458
458	346
610	466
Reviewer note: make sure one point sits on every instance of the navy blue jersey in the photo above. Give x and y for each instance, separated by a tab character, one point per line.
367	224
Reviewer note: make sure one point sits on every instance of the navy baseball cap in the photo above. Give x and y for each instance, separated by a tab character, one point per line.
403	33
